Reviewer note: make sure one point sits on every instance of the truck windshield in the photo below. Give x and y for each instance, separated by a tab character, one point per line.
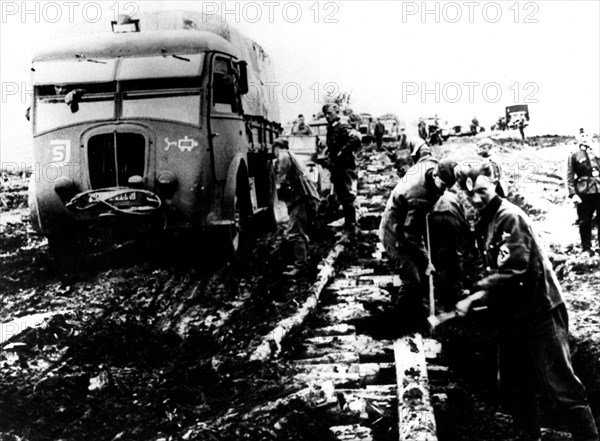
158	87
65	104
174	99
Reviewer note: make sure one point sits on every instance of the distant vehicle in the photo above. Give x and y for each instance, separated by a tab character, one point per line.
437	127
308	149
515	113
158	138
392	130
463	129
366	128
500	124
319	128
286	129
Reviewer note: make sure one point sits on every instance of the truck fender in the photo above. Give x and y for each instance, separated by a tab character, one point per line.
32	202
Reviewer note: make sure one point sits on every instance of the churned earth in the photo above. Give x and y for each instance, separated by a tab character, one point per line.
152	342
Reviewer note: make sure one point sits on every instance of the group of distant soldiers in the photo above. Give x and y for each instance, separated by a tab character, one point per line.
425	231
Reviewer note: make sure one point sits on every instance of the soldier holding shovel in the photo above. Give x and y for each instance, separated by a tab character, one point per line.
402	231
523	293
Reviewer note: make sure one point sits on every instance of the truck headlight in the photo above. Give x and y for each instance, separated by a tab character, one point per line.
167	184
65	189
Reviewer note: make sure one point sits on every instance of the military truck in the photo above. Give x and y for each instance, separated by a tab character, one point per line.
513	114
152	124
366	127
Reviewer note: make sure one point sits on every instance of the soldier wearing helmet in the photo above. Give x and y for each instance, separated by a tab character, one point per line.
583	185
485	147
402	231
342	144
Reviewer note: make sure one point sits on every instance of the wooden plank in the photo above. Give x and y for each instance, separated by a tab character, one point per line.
363	345
363	369
15	327
346	313
365	294
335	377
416	420
339	329
271	343
352	432
340	357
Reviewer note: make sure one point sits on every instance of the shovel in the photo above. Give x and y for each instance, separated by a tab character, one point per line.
430	277
436	320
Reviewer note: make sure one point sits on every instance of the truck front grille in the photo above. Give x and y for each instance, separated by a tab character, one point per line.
114	158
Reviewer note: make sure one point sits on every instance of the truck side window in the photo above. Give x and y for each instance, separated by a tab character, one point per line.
224	90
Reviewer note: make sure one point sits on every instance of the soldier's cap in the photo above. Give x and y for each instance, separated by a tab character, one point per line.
485	142
446	171
467	173
281	143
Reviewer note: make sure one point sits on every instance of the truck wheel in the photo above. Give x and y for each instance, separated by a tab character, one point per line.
230	237
274	211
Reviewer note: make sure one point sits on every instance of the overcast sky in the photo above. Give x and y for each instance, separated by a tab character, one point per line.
454	59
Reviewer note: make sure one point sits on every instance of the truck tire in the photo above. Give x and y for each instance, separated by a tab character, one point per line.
273	213
230	237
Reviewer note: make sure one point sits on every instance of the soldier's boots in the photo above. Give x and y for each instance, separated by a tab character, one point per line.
581	424
349	216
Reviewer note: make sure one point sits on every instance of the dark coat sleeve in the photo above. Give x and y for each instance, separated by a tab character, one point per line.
571	174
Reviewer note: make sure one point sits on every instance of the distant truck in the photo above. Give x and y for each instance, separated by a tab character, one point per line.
437	130
319	129
156	134
516	113
366	128
392	130
309	150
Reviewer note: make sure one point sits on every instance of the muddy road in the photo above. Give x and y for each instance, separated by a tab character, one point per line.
150	342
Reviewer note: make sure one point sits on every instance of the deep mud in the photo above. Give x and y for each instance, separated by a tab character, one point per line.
149	342
145	342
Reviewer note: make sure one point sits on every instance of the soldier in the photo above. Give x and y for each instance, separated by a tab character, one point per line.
523	294
72	97
451	245
379	132
342	143
302	128
402	229
474	126
300	195
419	149
484	149
583	185
521	124
422	128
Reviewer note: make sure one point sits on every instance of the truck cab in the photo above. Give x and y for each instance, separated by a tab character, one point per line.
146	130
